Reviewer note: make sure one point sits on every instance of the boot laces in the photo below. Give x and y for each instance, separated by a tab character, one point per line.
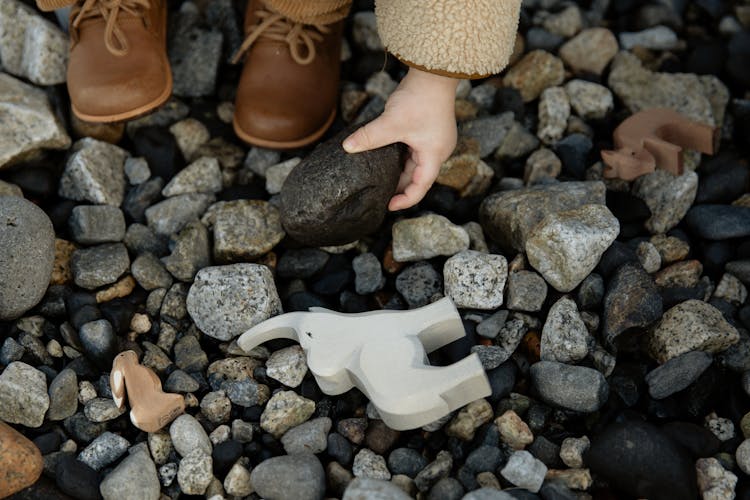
114	38
275	26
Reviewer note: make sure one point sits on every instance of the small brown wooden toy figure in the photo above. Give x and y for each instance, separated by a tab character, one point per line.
656	138
150	407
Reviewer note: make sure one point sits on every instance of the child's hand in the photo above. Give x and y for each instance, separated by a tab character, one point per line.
421	114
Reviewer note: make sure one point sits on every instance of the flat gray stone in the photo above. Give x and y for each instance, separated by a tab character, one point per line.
23	395
92	224
368	274
525	471
27	252
575	388
171	215
677	374
526	291
309	437
191	252
419	283
95	172
63	395
100	265
104	450
134	477
365	488
669	197
290	476
150	273
201	176
224	301
26	112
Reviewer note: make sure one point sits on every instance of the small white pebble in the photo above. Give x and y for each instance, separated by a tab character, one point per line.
86	392
55	349
140	323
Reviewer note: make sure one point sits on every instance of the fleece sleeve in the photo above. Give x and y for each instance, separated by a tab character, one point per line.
461	38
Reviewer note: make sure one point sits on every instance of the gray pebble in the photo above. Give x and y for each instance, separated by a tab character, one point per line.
63	395
525	471
188	354
104	450
368	274
149	272
23	395
201	176
10	351
195	472
25	230
475	280
95	173
369	464
418	284
172	214
180	382
134	477
290	476
526	291
565	337
100	265
190	252
373	489
92	224
491	326
137	171
309	437
140	239
102	410
426	237
188	435
677	374
575	388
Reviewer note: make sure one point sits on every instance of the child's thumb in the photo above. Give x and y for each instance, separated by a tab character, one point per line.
376	134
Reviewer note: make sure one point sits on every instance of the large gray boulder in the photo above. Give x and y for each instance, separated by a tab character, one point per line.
27	251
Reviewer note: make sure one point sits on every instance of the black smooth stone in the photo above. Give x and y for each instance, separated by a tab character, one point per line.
339	449
301	263
642	461
77	479
573	151
739	54
509	99
502	380
615	256
699	441
714	257
140	197
252	414
84	315
160	149
119	313
674	295
333	283
554	490
541	39
719	222
333	197
722	181
352	302
406	461
224	456
626	207
484	459
48	442
44	489
546	451
303	301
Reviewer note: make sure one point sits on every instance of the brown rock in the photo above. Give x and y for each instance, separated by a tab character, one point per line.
513	430
537	71
590	51
681	274
21	462
107	132
380	438
671	249
122	288
61	273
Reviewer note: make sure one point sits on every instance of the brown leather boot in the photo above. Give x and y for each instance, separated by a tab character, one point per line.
289	85
118	67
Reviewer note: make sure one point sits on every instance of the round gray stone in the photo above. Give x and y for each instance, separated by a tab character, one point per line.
188	434
134	477
363	488
290	476
575	388
63	395
309	437
27	252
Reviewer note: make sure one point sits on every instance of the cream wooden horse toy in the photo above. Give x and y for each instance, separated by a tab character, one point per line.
384	354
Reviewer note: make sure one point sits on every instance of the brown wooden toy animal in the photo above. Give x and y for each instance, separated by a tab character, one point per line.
150	407
656	138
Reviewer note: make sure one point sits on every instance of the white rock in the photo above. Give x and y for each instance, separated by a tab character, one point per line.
475	279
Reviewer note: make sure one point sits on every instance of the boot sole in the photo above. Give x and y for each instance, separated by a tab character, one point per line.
133	113
299	143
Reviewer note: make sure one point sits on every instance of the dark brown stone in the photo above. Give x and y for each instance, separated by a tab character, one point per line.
21	461
333	197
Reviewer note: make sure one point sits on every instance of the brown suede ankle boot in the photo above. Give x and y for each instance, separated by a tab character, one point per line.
289	85
118	66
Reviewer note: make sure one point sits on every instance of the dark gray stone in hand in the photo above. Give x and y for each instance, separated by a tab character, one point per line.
333	197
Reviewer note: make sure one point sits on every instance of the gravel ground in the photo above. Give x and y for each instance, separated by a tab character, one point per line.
611	317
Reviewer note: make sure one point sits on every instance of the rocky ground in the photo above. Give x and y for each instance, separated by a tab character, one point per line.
612	317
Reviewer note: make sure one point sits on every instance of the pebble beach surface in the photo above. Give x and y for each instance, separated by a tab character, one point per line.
611	317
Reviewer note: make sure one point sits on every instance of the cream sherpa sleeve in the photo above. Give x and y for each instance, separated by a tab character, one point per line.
462	38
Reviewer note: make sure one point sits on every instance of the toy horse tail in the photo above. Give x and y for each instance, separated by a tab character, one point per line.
278	327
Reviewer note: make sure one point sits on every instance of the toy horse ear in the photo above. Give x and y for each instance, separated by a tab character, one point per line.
117	383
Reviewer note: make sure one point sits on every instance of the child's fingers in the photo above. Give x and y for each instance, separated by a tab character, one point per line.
406	175
378	133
